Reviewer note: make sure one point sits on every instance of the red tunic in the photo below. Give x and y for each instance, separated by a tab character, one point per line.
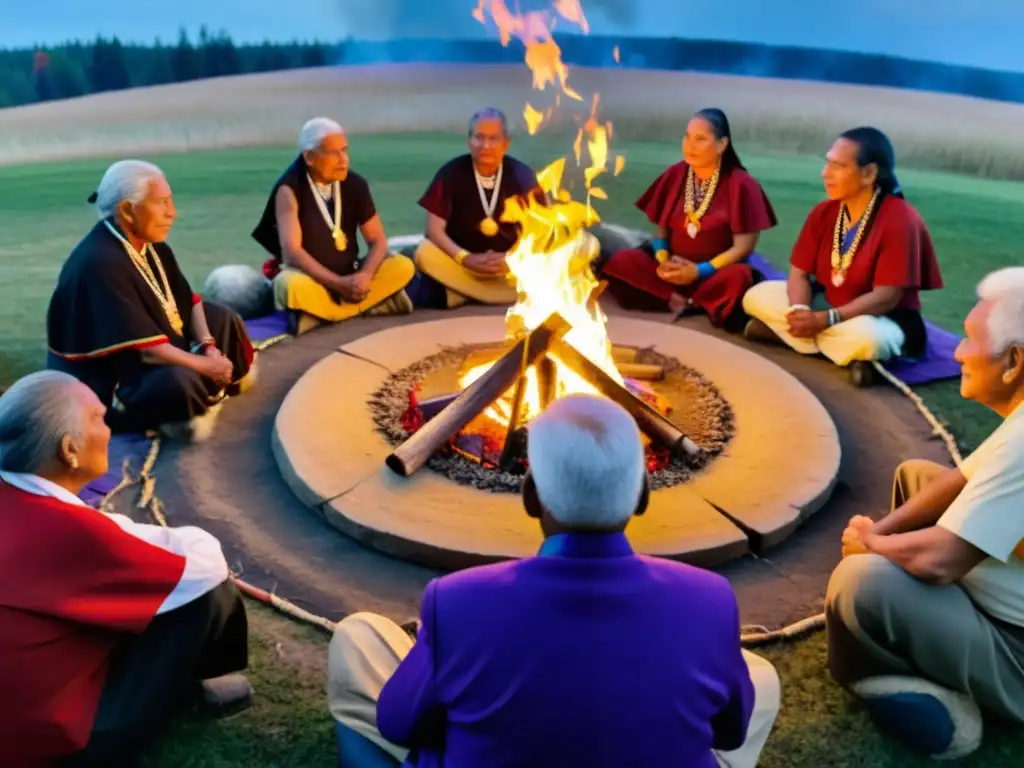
739	207
74	583
896	251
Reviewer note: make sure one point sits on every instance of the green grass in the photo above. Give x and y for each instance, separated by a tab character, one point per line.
975	224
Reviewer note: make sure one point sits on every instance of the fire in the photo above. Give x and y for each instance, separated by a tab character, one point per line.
550	264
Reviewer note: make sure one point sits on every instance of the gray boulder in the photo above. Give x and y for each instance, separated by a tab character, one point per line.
241	288
614	238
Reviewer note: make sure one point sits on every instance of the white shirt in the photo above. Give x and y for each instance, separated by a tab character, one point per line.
989	513
205	566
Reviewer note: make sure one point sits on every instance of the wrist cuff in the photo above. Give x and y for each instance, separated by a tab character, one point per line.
705	270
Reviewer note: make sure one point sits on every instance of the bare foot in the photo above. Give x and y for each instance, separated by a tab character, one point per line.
677	303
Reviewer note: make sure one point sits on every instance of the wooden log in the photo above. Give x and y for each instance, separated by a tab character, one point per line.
641	371
417	450
661	431
507	457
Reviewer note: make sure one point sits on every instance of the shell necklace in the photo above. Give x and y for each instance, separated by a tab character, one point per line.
693	215
165	296
340	239
489	226
841	261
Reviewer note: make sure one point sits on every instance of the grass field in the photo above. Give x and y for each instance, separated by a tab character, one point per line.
975	223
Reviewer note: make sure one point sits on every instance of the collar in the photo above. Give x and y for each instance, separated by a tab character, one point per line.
40	486
586	545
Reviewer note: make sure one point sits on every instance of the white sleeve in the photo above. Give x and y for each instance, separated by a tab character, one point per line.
205	566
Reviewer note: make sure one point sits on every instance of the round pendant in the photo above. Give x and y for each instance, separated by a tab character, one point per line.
340	241
489	227
838	278
692	230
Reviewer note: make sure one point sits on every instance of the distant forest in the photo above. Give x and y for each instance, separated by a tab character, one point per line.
80	68
106	64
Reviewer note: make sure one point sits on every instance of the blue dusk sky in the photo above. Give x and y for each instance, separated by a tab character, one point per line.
983	33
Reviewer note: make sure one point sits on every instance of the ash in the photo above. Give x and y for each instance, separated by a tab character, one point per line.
698	409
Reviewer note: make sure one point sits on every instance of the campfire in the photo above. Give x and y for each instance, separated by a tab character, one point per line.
556	340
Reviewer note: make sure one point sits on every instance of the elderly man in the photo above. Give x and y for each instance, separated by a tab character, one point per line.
310	227
125	321
463	254
583	655
107	626
926	611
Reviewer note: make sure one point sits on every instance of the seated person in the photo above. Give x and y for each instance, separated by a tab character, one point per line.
857	269
925	613
125	321
463	255
309	226
625	680
709	212
108	627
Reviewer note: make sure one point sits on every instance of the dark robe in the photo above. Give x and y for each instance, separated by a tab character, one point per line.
739	206
357	208
103	316
896	251
453	196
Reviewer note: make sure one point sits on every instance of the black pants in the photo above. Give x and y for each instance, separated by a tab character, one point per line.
157	673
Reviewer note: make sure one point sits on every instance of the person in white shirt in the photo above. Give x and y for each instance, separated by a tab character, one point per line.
925	613
107	626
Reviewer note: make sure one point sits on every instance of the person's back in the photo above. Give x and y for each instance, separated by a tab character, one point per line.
585	655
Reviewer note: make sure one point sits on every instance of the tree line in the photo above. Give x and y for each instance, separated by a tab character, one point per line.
106	64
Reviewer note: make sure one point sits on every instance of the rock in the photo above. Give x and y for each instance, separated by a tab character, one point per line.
614	238
241	288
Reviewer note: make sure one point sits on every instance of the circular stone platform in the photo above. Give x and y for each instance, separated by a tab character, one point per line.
332	456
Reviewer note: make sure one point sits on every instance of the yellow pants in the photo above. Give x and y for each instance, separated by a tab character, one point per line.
297	291
462	284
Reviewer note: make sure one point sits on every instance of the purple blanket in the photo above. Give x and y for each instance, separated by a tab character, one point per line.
936	364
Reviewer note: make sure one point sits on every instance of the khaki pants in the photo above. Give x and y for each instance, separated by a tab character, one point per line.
366	650
861	338
297	291
883	621
461	283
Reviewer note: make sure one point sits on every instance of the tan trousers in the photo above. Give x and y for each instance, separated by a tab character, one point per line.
883	621
366	650
461	283
861	338
297	291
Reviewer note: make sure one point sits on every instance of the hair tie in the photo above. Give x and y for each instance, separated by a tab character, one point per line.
93	197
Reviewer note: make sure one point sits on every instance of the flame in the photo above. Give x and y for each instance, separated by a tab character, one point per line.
550	264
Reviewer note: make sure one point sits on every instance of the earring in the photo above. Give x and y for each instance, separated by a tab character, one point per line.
73	461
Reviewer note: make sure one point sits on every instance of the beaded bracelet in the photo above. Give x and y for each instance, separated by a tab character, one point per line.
461	256
834	317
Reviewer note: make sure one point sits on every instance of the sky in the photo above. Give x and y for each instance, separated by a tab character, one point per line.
983	33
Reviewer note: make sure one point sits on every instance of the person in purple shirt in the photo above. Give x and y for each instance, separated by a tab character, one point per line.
587	654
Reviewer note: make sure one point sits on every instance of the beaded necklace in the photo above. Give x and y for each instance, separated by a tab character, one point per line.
702	200
841	261
165	296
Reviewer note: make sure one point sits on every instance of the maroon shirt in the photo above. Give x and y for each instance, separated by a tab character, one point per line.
454	197
739	207
896	250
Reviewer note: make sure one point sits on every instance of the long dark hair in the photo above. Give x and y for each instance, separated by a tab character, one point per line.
873	146
719	123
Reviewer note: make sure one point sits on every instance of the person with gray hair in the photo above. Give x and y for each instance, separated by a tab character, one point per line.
463	254
107	626
925	613
310	226
587	648
124	319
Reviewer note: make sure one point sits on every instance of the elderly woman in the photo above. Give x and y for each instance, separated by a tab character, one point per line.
125	321
497	654
106	625
708	211
858	267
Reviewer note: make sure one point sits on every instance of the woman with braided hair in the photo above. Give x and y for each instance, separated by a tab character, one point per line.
857	269
708	211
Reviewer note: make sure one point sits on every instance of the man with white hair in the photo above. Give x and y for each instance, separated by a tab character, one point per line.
463	254
586	654
925	612
124	319
107	626
310	227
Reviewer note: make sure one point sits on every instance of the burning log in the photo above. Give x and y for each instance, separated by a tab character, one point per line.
487	355
651	423
641	371
417	450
